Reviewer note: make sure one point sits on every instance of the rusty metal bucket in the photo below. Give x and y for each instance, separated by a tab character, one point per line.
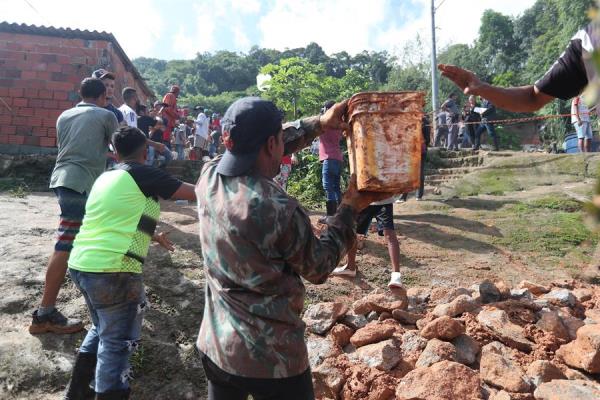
385	145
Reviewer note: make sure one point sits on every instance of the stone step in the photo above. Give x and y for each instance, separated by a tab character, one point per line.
470	161
450	171
443	153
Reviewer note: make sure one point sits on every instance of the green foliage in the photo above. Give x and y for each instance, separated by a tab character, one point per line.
305	182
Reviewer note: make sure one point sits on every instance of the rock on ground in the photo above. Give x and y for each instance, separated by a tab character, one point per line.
444	328
498	368
406	317
328	379
380	300
382	356
320	348
461	304
510	334
320	317
562	297
584	352
373	332
488	292
534	288
541	371
446	380
341	334
467	349
568	390
550	321
354	321
436	351
412	346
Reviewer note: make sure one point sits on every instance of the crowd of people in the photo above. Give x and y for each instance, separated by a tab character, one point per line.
257	242
456	128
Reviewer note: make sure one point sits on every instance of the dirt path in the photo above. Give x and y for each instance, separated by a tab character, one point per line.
455	242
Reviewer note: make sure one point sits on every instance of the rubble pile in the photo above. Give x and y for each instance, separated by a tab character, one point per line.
489	341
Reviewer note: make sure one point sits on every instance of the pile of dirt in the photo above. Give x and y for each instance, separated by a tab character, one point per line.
488	341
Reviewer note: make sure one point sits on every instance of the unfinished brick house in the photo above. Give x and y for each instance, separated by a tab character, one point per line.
40	72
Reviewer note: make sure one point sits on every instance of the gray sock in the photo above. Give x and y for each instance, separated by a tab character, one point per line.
45	310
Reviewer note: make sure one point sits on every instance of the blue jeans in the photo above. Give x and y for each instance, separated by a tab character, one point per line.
487	127
152	154
331	172
116	302
180	153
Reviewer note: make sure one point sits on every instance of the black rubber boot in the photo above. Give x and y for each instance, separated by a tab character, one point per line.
114	395
83	373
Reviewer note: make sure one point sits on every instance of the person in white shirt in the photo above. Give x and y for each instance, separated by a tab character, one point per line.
131	102
383	211
201	135
580	118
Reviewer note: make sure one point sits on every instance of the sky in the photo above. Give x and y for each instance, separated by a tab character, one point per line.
178	29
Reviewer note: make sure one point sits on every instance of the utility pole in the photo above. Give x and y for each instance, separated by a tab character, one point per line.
434	76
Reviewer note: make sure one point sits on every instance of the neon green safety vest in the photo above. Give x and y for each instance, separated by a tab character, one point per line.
117	228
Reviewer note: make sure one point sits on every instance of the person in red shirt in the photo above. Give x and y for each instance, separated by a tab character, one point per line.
169	112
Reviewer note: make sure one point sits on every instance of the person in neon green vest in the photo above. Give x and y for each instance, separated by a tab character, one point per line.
107	259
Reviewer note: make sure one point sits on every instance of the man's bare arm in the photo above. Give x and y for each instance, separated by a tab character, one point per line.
518	99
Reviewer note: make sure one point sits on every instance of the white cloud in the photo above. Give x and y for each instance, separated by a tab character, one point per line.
335	25
136	25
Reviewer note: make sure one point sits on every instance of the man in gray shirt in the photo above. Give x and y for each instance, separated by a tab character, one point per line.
83	134
452	112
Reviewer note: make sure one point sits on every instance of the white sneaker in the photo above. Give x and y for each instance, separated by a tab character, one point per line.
396	280
343	271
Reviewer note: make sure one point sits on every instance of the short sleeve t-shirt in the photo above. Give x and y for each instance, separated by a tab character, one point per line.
572	71
129	115
114	238
115	111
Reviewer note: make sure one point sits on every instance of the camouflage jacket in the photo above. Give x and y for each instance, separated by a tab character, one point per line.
257	244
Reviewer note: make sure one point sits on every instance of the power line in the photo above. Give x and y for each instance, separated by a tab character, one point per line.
439	5
37	12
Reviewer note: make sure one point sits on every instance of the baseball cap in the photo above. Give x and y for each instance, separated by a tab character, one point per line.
102	74
247	124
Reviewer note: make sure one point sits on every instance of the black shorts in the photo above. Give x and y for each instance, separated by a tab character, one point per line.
384	214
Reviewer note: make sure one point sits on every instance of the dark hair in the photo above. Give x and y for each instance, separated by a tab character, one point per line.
128	140
92	88
141	109
128	93
452	94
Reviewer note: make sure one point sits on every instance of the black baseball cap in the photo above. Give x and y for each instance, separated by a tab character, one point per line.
103	74
247	124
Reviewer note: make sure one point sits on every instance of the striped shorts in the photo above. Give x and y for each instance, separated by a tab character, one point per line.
72	210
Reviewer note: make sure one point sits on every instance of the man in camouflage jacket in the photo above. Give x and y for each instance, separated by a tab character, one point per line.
257	245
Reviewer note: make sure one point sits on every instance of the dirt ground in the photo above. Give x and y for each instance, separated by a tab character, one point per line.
444	241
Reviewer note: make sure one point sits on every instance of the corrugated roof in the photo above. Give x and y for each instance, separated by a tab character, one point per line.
78	34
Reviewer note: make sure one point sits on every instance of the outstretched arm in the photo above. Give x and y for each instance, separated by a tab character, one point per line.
518	99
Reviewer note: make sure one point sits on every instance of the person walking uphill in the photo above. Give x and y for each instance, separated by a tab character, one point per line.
330	155
83	133
257	245
106	264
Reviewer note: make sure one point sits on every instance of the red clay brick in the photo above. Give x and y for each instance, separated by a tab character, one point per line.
54	67
3	139
65	105
19	120
40	131
45	94
32	141
19	102
8	129
7	83
65	86
36	121
3	92
11	73
15	139
26	111
5	119
44	75
39	112
50	104
31	94
28	75
48	122
51	132
37	84
14	46
48	142
63	60
16	92
48	58
60	95
39	67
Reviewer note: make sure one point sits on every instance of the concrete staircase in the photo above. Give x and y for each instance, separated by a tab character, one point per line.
444	166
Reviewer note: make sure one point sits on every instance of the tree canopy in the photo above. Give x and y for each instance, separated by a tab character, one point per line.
507	51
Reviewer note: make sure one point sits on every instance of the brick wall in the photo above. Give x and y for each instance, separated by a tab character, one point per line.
40	77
